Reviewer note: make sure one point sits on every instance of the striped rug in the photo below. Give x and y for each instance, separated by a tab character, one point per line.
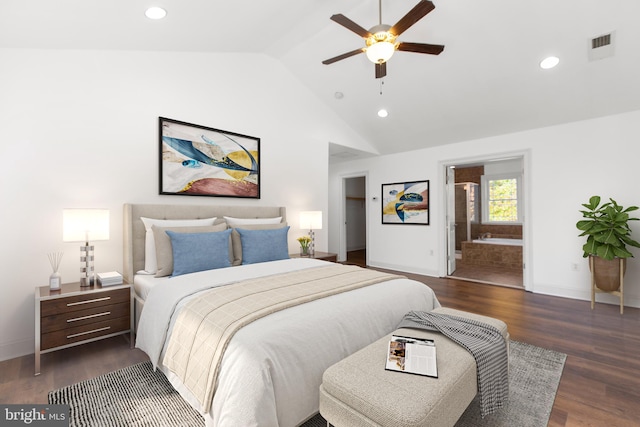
133	396
138	396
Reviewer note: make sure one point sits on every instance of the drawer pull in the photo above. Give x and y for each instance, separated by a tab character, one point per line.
88	332
75	319
89	301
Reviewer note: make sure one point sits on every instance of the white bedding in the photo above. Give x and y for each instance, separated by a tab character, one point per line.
273	367
143	283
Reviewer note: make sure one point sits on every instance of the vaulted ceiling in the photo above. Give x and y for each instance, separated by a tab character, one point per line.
486	82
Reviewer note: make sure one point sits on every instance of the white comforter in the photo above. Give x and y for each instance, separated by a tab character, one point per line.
272	368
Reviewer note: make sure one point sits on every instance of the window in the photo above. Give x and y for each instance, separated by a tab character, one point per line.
501	199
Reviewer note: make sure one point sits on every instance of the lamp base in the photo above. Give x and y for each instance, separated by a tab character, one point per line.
312	245
87	268
86	282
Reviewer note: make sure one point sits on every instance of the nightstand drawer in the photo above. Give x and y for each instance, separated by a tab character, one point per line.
83	302
86	316
84	332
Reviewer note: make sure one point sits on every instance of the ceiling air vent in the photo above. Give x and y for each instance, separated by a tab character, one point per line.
601	46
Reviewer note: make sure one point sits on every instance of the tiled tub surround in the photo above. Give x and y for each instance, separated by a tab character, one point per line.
493	253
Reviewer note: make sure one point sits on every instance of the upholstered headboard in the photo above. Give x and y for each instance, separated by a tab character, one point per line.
134	230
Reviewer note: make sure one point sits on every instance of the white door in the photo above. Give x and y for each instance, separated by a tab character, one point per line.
451	220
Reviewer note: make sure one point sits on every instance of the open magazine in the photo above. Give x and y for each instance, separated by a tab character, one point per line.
412	355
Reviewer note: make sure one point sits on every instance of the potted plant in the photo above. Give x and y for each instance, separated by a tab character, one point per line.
608	234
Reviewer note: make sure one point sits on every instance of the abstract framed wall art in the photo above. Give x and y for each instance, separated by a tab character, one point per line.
405	203
202	161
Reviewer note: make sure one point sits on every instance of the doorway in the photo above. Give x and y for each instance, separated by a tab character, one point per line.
355	220
485	221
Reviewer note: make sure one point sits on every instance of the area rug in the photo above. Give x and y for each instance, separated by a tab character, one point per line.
138	396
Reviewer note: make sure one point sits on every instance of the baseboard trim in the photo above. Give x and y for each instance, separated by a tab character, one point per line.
404	268
14	349
585	295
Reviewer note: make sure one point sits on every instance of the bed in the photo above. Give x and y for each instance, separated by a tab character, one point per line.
271	369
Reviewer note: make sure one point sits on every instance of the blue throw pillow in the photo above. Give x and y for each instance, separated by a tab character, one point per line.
263	245
199	251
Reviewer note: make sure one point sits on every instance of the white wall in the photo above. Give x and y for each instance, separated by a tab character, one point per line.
567	165
79	129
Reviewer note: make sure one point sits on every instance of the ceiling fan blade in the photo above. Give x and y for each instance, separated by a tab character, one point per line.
381	70
350	25
413	16
343	56
432	49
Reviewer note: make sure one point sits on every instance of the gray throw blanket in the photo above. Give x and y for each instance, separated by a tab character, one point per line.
483	341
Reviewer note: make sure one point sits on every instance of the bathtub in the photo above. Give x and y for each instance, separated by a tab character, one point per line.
493	252
500	241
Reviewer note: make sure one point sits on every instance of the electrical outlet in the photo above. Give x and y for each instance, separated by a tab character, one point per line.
431	252
574	266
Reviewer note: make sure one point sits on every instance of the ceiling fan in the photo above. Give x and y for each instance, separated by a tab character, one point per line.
381	41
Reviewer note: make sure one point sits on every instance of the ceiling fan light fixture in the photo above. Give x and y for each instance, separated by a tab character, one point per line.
380	47
380	52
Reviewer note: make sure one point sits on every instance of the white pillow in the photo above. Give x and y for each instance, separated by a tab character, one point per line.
150	261
235	222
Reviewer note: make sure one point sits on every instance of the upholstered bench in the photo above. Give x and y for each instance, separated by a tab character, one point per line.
358	391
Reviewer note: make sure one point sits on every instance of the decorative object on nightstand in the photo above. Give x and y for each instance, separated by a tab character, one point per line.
311	220
55	280
304	241
78	226
109	278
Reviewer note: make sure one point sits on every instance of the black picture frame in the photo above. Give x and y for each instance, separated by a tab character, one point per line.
198	160
405	203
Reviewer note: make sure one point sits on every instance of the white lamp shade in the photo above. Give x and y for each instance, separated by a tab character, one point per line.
82	225
380	52
311	220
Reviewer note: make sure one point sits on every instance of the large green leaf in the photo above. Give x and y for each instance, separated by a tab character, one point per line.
605	251
590	246
621	252
607	237
594	201
629	241
584	224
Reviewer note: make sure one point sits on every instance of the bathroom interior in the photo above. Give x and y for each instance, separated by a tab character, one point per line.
490	252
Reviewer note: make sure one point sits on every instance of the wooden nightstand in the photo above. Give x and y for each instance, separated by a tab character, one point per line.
74	315
326	256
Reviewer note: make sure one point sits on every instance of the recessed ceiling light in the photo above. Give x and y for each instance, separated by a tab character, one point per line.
383	113
155	13
549	62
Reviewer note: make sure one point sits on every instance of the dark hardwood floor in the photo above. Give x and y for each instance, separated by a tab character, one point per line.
488	274
358	257
600	384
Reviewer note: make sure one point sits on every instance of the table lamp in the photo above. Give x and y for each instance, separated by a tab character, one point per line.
311	220
82	225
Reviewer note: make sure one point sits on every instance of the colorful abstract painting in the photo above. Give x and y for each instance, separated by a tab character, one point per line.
405	203
201	161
